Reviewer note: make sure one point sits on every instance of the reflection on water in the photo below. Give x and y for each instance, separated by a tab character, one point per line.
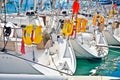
109	66
84	66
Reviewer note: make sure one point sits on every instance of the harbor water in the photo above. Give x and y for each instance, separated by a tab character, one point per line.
108	66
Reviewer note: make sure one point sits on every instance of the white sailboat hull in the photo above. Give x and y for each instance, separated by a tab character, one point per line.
57	59
81	52
111	39
44	64
12	65
88	50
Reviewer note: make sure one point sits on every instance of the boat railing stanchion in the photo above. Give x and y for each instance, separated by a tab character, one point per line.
33	53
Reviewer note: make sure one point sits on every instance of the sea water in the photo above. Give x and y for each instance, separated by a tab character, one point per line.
108	66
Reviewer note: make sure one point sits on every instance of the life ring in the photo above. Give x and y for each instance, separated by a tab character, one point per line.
95	19
67	27
111	13
28	33
81	24
38	35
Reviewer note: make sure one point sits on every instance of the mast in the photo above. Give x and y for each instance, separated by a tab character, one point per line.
35	5
1	6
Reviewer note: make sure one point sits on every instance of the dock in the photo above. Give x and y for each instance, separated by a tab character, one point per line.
43	77
92	78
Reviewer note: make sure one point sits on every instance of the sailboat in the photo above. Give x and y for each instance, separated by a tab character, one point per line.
55	60
112	32
88	43
86	46
56	57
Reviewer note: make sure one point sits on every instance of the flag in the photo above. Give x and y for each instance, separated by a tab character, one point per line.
22	44
22	47
32	34
115	5
75	7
